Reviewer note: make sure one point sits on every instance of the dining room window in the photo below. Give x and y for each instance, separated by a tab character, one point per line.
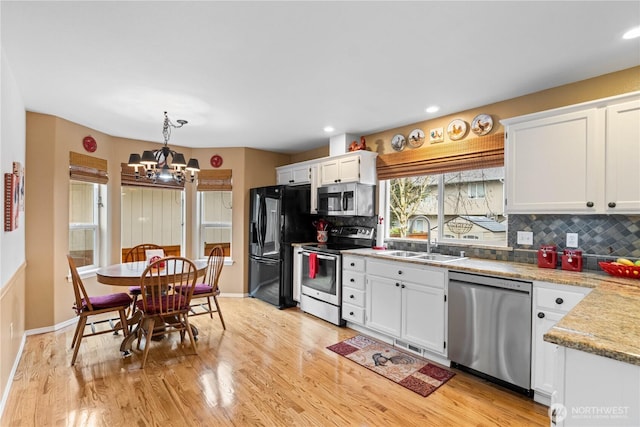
215	219
152	215
88	178
215	210
84	224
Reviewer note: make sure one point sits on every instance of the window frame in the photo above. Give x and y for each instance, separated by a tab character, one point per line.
438	227
96	226
203	226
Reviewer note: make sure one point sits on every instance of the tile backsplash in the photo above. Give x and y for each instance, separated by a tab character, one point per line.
600	238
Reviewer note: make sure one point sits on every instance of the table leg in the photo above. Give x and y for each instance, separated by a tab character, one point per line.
127	343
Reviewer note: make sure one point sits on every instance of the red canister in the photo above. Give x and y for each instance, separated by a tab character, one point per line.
547	256
572	260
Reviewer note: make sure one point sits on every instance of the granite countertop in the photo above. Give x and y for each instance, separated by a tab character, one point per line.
606	322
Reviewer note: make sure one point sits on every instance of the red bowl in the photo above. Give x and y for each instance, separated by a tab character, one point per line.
619	270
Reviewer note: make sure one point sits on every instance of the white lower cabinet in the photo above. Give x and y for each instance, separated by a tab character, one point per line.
595	391
406	301
550	303
353	289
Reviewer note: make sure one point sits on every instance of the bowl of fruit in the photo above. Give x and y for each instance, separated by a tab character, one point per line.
622	267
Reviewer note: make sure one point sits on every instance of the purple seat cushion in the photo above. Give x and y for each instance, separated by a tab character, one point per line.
135	290
108	301
166	302
201	288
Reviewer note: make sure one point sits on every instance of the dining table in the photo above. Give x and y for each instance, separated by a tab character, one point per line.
128	274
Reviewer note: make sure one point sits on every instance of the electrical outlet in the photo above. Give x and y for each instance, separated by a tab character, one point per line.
525	237
572	240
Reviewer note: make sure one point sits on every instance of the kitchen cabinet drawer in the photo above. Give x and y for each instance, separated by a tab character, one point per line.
353	296
351	313
353	279
560	300
354	263
407	272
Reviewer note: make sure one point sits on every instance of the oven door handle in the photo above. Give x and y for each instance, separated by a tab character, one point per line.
320	256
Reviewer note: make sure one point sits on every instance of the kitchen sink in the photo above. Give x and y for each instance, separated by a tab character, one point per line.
421	256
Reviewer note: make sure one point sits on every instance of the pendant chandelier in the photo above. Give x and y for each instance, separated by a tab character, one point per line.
165	164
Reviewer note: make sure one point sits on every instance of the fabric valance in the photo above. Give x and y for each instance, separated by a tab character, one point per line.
214	179
88	169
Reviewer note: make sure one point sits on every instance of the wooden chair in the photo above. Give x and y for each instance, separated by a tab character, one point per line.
138	253
209	288
165	306
86	306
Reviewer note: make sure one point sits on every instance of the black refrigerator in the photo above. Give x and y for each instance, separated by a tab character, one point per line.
279	216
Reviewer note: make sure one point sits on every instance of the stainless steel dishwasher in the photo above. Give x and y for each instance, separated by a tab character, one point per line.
490	328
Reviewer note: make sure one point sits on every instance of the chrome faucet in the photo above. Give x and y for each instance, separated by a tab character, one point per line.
428	235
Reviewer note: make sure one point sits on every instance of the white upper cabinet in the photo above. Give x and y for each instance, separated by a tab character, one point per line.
622	179
357	166
578	159
295	174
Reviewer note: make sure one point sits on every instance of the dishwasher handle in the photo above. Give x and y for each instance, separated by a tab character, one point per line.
495	282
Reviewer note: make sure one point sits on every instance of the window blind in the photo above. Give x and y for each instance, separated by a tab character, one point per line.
476	153
214	179
88	169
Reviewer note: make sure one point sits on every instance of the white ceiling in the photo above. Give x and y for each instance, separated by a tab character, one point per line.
271	75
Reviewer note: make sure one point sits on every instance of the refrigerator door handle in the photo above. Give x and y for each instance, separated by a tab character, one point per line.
259	223
262	224
264	260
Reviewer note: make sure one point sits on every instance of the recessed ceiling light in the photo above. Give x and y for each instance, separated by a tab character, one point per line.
432	109
328	129
632	33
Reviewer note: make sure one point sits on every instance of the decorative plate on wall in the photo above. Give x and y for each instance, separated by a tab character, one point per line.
398	142
216	161
482	124
89	144
416	138
457	129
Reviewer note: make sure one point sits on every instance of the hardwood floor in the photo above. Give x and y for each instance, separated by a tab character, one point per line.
269	368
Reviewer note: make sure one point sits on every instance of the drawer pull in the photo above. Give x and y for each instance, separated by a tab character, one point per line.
541	315
559	300
612	204
352	280
399	271
589	204
351	313
351	296
353	264
397	284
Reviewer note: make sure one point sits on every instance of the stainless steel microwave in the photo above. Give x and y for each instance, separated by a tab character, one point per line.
349	199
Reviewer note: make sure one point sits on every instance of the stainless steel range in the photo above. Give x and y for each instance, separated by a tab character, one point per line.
321	272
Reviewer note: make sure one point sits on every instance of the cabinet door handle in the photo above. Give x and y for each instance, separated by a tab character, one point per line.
291	181
353	264
351	296
397	284
589	204
541	315
352	280
399	271
351	313
612	204
559	300
402	286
